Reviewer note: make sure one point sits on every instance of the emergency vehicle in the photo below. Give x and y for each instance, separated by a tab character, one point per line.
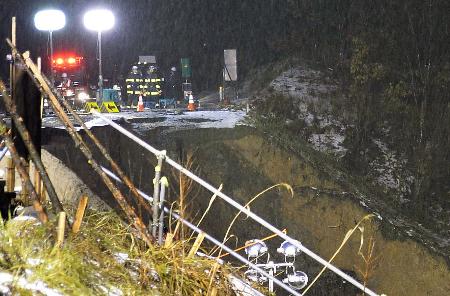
70	78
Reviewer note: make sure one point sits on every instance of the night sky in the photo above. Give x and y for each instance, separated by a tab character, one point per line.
169	29
119	45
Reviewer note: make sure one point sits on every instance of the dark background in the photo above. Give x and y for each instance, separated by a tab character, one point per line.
199	30
120	46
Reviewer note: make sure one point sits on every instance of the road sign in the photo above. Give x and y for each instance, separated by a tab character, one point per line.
186	70
91	106
147	59
109	107
230	68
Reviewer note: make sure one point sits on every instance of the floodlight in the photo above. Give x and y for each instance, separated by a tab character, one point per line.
288	249
297	280
49	20
99	20
256	248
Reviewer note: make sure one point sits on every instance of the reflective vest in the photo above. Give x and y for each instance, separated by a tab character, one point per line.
133	82
152	85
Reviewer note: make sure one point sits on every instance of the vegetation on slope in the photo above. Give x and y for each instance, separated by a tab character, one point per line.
104	258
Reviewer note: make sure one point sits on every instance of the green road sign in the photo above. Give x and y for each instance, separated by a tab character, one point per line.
186	70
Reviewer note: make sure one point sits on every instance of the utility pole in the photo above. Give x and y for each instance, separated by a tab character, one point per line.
11	65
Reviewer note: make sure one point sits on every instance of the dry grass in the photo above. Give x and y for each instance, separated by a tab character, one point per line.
88	263
370	260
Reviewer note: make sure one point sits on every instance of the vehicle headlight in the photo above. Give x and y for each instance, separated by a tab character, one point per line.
82	96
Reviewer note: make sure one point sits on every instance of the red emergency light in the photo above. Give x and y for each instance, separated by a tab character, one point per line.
66	61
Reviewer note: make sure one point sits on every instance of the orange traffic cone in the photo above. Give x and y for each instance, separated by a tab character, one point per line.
140	105
191	104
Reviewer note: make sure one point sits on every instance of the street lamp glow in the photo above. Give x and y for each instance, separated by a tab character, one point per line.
99	20
49	20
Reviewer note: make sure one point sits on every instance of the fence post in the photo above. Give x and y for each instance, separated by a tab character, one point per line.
10	174
164	183
155	215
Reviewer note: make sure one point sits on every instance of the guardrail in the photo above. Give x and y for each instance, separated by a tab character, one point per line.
210	238
161	156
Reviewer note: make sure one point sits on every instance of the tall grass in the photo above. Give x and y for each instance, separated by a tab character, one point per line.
104	257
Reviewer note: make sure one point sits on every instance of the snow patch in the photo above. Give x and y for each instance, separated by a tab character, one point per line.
121	258
197	119
390	169
310	95
300	82
36	287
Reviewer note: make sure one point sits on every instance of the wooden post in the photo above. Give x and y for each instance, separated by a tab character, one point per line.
80	214
37	183
43	194
39	66
61	229
20	163
13	31
24	193
79	142
34	154
40	210
196	245
10	174
11	65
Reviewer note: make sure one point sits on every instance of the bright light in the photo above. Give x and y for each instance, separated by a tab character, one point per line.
297	280
71	60
59	61
255	248
49	20
99	20
82	96
288	249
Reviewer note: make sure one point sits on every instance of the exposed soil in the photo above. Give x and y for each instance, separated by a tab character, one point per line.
319	214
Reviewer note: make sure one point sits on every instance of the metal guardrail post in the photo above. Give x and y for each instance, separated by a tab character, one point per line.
164	183
212	239
155	216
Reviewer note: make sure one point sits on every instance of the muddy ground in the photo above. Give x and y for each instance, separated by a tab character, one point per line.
319	214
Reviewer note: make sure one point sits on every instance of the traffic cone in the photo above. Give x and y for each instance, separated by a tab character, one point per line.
140	105
191	104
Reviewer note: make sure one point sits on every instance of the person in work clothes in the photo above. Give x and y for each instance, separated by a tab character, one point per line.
172	84
152	87
133	85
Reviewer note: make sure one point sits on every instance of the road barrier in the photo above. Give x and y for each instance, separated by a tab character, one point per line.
91	106
109	107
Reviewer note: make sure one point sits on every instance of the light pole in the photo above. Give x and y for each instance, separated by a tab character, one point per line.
50	20
99	20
